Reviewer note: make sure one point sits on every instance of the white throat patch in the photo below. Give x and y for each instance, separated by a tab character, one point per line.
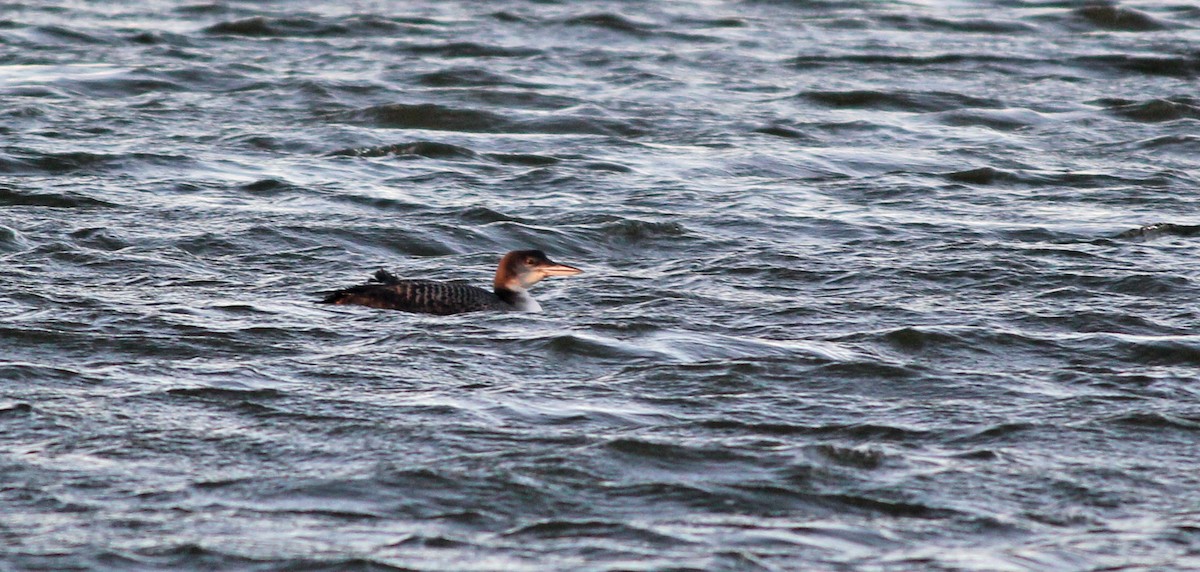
523	302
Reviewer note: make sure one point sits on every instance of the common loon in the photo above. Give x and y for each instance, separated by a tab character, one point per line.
518	270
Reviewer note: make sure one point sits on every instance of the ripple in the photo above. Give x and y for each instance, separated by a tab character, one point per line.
892	507
428	149
1156	420
10	239
62	34
1177	351
898	101
56	162
1159	230
1179	143
1112	17
443	118
965	25
781	131
1154	110
636	231
99	239
446	151
62	199
982	176
431	116
123	87
555	528
918	339
79	162
991	176
11	409
225	393
1182	66
998	119
590	345
31	372
423	541
172	555
472	50
998	432
670	454
270	187
863	431
855	457
609	21
471	77
261	26
855	60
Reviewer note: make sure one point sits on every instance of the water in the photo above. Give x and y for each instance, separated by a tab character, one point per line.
856	291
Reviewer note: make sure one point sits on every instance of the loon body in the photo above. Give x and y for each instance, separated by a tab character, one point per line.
518	270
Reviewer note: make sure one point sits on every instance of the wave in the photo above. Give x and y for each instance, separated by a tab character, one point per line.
1154	110
1181	65
230	394
999	119
22	371
437	117
609	530
1113	17
1155	420
782	131
1184	143
187	555
470	50
11	240
856	60
446	152
55	34
612	22
349	26
1031	177
1159	230
855	431
427	149
910	23
431	116
10	196
899	100
1162	351
25	162
471	77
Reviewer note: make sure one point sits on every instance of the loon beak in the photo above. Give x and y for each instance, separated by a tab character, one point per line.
556	269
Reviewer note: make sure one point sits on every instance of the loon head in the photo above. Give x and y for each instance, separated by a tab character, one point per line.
521	269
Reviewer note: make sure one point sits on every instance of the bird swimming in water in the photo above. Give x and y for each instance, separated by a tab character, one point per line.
518	270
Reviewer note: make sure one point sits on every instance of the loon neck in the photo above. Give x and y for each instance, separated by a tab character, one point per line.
519	299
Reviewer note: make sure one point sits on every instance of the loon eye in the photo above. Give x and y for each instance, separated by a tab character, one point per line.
531	261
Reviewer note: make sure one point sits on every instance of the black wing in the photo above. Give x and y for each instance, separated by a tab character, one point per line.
423	296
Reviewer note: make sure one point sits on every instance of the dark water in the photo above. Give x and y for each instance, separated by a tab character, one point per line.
856	291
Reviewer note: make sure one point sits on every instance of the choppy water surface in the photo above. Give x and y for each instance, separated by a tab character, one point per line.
856	292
